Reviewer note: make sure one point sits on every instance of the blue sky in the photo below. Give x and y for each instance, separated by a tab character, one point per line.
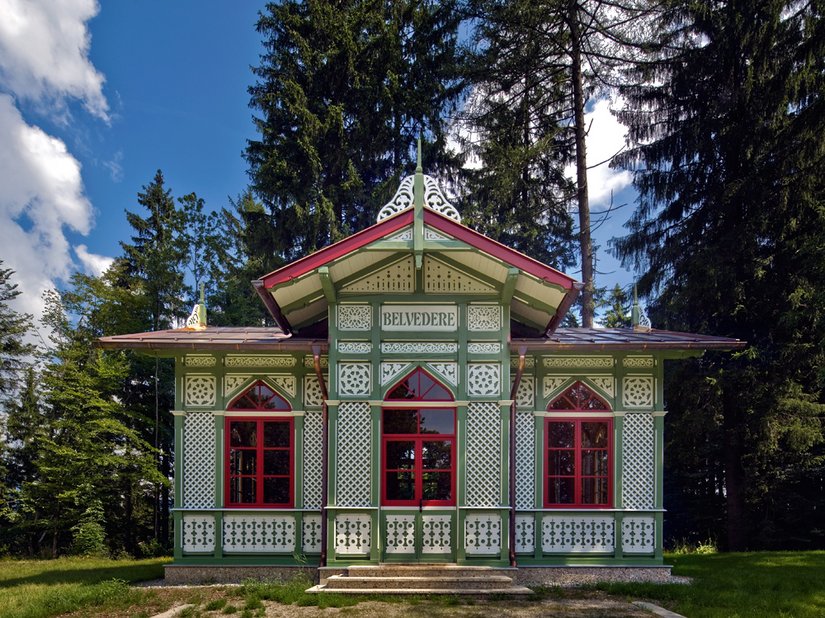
95	97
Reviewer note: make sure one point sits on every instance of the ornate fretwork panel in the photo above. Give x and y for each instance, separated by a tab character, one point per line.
354	347
352	534
638	535
442	279
309	362
354	379
447	371
578	362
484	318
435	200
239	361
638	362
312	459
436	534
198	460
431	234
525	394
525	534
637	392
400	534
200	360
390	371
525	460
354	439
313	396
483	454
354	317
198	534
638	461
529	362
311	533
233	382
200	391
253	533
424	347
484	379
485	347
604	383
404	235
286	384
482	534
398	277
577	533
553	384
402	200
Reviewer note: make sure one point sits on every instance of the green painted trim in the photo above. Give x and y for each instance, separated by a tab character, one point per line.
177	528
326	284
509	286
659	545
219	463
298	463
261	559
618	452
659	432
178	466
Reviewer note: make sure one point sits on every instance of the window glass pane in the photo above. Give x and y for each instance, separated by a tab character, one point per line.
561	434
594	491
276	462
276	402
437	454
437	486
242	490
400	421
244	403
560	490
276	434
594	434
242	433
594	463
242	461
400	485
436	420
560	463
276	491
400	455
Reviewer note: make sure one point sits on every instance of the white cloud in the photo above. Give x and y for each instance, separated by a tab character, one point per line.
93	263
44	53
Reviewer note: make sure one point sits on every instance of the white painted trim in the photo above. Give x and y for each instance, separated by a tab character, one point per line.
263	413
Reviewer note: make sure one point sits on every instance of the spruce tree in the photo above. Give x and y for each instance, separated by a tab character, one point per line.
13	327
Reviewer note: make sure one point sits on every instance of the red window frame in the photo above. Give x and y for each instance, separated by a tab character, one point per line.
401	392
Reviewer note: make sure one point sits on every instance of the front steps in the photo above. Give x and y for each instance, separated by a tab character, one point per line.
420	579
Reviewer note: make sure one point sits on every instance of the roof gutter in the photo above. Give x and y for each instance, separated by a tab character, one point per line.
272	306
564	307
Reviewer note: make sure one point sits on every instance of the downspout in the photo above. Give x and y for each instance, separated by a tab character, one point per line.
516	382
316	361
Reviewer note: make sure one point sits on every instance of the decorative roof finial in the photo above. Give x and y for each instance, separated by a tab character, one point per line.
638	318
197	320
419	167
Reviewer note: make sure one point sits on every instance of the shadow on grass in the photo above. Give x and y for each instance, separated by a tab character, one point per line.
93	574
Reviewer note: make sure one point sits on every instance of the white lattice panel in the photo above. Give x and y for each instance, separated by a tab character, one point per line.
484	318
483	379
553	384
354	379
198	460
577	533
198	534
442	279
637	392
525	460
390	371
525	394
400	534
482	534
638	535
311	534
312	391
483	454
233	382
199	391
255	533
397	278
354	317
313	429
525	534
604	383
446	371
352	534
436	531
354	441
638	461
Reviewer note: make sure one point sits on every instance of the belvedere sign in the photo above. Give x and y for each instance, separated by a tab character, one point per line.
440	318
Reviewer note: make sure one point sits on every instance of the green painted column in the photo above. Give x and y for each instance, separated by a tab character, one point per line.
219	482
618	498
659	427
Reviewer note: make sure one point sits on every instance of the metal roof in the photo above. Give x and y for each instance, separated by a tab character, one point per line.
610	339
236	338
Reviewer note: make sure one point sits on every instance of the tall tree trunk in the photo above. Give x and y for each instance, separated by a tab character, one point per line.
585	241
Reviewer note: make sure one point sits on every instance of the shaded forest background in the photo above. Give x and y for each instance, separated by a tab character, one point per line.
725	107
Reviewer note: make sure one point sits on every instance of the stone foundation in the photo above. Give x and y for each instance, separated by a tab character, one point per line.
183	575
577	576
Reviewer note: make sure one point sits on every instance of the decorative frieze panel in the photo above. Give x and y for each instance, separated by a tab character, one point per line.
605	384
484	379
525	534
393	279
419	348
354	317
482	534
390	371
243	361
446	371
486	347
552	384
353	534
309	362
578	362
258	533
200	360
525	394
577	533
529	362
638	535
483	454
637	392
233	383
199	391
198	460
313	429
354	347
638	362
431	234
436	534
400	534
484	318
638	463
354	379
442	279
313	396
525	459
403	235
198	534
311	534
353	439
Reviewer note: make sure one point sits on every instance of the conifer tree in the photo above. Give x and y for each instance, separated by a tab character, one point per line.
13	328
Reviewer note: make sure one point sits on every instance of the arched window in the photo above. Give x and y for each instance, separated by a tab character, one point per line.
259	450
418	444
578	461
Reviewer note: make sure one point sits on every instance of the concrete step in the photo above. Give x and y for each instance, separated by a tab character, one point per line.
432	582
512	590
426	570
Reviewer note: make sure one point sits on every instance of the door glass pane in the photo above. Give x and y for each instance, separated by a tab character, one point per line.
400	455
437	486
437	421
437	455
276	434
561	434
242	461
560	463
276	491
276	462
594	434
594	491
400	421
242	490
560	490
594	463
243	433
400	485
